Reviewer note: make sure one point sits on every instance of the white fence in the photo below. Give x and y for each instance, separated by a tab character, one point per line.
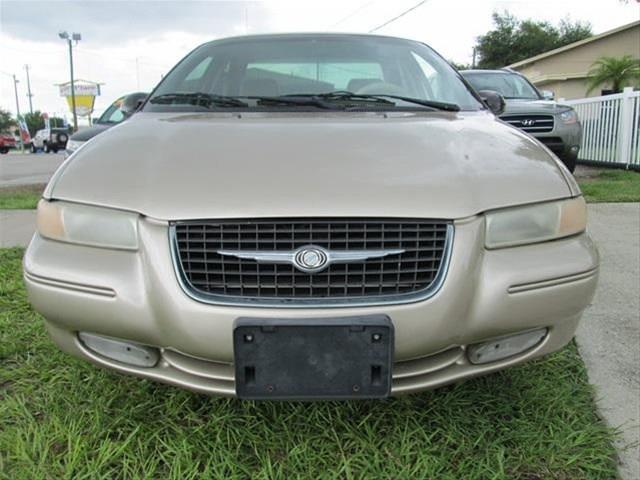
610	128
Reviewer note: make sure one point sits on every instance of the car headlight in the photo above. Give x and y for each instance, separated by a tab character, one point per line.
535	223
73	145
569	117
86	225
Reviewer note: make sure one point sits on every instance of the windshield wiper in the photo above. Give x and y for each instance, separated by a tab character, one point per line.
379	99
448	107
347	97
332	100
198	99
295	99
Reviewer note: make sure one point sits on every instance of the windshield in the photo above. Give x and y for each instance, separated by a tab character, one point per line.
509	85
113	114
310	65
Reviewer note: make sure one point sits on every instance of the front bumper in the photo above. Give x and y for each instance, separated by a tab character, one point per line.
563	140
136	296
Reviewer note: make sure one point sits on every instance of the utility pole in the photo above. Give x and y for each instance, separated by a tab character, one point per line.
73	89
138	73
15	88
473	63
70	39
26	67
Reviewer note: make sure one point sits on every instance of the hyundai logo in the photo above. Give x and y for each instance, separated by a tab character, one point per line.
528	122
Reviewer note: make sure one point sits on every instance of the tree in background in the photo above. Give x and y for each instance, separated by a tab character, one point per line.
57	122
6	121
35	122
460	66
572	32
512	40
619	72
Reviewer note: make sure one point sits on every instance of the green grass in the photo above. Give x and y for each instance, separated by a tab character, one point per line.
63	418
23	197
612	186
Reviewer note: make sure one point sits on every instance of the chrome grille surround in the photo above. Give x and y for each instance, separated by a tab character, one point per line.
541	123
223	292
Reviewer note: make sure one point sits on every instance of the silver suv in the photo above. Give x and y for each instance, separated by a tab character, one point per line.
535	112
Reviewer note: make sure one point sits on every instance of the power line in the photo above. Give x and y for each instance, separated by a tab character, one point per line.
82	50
399	16
352	14
122	59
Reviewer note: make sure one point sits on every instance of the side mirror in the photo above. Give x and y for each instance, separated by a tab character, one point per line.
493	100
547	94
131	103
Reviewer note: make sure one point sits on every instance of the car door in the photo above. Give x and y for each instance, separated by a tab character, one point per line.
37	139
40	137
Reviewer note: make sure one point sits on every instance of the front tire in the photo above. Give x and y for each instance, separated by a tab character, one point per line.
4	150
45	147
33	148
569	161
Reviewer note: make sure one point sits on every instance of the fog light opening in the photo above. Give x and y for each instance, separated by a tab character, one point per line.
504	347
121	351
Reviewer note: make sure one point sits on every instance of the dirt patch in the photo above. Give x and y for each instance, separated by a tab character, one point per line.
586	174
36	188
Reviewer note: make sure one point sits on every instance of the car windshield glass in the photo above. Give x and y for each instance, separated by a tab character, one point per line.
113	114
509	85
267	72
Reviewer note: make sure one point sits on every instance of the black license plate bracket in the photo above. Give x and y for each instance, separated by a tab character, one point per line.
306	359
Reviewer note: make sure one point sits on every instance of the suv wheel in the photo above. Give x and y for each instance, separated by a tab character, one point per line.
33	148
45	147
569	161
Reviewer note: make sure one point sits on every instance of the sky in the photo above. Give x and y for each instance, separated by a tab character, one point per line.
129	45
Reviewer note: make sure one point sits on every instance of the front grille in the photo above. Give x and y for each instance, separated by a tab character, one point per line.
555	144
227	278
530	123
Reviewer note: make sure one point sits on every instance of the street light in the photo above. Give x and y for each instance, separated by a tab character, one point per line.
15	88
74	37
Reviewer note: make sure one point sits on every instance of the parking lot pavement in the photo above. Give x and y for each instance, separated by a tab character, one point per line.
16	227
609	334
28	168
608	337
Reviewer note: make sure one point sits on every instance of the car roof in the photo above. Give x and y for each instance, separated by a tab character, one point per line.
304	35
496	71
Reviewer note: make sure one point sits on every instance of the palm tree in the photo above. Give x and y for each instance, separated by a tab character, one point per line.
617	71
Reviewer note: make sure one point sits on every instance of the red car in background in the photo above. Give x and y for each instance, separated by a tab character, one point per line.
7	142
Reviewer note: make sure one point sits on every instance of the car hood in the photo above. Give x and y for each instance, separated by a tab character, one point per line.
533	106
90	132
223	165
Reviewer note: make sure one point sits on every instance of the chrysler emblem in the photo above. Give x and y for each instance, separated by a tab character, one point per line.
528	122
310	259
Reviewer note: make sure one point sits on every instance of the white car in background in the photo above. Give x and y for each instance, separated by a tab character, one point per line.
50	140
